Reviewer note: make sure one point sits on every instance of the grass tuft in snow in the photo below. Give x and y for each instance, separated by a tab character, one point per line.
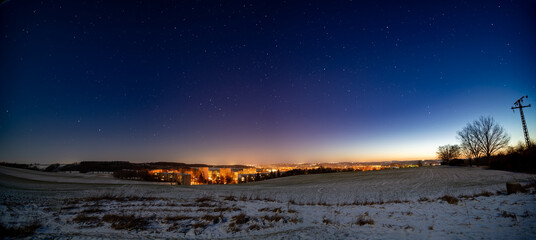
84	218
364	220
199	225
424	199
484	194
212	218
229	198
506	214
274	210
450	199
254	227
240	218
226	209
236	221
294	220
177	218
117	198
272	218
204	199
127	222
206	204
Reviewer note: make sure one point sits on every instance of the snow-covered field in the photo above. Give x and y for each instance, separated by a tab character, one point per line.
403	203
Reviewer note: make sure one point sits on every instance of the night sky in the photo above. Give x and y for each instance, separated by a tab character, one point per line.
229	82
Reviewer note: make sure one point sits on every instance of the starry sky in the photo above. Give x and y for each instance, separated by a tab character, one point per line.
232	82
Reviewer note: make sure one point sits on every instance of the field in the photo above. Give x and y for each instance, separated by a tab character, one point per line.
421	203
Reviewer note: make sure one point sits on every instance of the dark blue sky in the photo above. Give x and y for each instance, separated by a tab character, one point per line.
258	82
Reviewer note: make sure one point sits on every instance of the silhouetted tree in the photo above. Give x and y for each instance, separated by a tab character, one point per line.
470	146
448	152
489	136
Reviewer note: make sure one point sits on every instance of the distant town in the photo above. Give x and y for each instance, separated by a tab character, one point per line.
202	174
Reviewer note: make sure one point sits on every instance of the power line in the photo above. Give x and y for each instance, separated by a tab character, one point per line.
519	104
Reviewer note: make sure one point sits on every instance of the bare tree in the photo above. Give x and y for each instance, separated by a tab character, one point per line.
490	135
448	152
470	145
483	137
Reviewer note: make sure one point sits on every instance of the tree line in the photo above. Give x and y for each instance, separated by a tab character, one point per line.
485	142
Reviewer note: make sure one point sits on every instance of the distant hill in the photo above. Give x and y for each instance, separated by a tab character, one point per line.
111	166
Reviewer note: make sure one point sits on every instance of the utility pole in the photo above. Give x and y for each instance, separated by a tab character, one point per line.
519	104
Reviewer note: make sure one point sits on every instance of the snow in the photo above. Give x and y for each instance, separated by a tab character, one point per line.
402	203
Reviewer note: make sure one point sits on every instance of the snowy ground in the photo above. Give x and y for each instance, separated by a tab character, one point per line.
403	203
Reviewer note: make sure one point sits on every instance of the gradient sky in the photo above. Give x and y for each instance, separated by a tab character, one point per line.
258	82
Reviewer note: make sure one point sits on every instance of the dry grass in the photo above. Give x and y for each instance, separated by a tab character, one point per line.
450	199
294	220
212	218
369	203
240	218
83	218
234	228
273	218
92	210
226	209
506	214
236	221
177	218
117	198
424	199
484	194
205	204
69	207
274	210
254	227
409	228
173	227
204	199
127	222
229	198
200	225
364	220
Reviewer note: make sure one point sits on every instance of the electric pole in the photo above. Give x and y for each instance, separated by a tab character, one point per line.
519	104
